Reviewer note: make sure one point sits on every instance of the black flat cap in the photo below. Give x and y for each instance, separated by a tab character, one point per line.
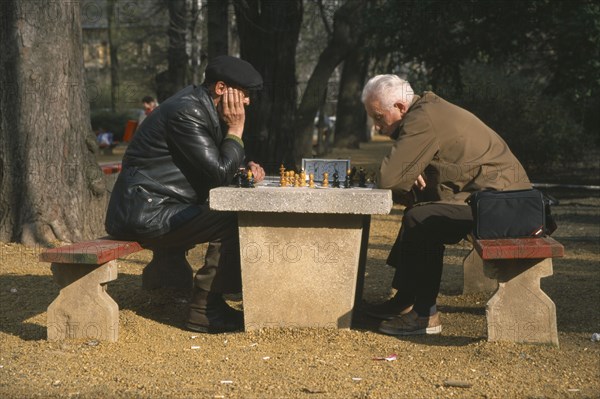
234	72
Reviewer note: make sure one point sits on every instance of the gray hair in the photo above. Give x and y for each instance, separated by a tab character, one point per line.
388	89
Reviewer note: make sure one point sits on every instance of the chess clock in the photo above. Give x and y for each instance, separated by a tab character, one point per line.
331	166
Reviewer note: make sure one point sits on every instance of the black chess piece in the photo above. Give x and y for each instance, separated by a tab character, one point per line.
362	178
239	178
336	180
348	181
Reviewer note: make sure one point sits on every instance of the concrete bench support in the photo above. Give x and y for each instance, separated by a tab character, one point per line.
519	311
83	309
302	251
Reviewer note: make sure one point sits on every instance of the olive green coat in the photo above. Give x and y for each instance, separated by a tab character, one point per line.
456	153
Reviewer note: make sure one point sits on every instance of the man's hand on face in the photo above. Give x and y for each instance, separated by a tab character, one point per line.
257	171
232	111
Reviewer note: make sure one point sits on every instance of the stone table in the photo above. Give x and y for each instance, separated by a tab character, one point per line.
303	251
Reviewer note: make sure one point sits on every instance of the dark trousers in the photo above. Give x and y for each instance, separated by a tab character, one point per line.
418	253
221	270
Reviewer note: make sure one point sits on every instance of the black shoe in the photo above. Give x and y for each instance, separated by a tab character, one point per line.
209	313
388	309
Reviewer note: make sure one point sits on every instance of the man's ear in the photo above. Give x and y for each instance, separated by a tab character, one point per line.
220	88
401	106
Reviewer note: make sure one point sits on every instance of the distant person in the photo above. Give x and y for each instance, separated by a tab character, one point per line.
149	103
442	153
104	138
190	144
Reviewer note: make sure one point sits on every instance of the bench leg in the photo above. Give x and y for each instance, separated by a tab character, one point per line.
168	269
520	311
474	279
83	309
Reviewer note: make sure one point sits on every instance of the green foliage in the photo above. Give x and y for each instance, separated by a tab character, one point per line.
111	121
533	124
575	60
541	86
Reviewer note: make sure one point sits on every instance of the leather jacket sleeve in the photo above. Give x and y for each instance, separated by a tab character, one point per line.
198	153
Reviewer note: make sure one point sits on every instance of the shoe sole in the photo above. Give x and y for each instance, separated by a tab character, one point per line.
210	330
386	316
423	331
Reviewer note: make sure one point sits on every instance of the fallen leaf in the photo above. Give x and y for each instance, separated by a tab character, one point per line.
457	384
389	358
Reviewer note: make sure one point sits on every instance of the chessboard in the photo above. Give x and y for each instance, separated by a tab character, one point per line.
356	179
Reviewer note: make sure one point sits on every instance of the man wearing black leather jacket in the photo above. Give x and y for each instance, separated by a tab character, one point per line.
178	154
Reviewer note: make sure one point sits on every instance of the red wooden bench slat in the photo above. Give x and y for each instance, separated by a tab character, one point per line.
95	252
109	169
519	248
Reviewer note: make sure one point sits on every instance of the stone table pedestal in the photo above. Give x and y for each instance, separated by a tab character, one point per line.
302	251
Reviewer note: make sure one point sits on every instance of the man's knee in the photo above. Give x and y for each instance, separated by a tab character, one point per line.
415	217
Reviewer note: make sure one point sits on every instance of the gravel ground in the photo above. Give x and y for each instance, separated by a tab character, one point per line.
156	358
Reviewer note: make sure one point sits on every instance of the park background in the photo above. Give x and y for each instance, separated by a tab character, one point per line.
529	69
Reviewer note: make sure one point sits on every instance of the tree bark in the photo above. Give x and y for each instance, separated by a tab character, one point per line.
51	187
346	32
268	34
174	78
113	45
195	43
351	117
218	28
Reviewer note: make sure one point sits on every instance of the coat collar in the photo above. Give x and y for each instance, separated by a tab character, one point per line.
396	133
206	100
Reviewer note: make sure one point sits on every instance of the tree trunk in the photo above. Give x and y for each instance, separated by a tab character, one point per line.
218	28
351	117
323	128
195	42
174	78
113	45
51	187
268	34
346	32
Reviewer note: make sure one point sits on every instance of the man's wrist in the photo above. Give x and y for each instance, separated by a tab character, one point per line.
235	138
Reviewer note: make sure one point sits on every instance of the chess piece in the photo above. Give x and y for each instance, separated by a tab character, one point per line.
336	180
282	181
302	178
239	178
362	178
348	179
250	180
325	179
296	180
311	180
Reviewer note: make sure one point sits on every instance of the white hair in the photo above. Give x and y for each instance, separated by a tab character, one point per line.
388	90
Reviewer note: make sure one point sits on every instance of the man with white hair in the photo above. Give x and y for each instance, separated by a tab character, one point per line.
441	155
